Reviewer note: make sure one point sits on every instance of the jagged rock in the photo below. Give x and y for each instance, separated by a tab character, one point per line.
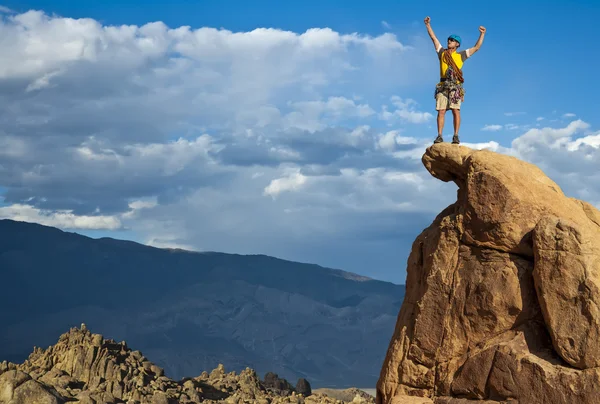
502	291
5	366
86	368
303	387
281	386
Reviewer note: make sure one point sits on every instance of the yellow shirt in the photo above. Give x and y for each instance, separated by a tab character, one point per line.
459	59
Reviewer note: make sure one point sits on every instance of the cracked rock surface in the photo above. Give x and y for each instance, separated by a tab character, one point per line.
502	291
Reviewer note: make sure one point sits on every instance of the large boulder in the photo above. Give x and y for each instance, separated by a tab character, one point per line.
17	387
502	291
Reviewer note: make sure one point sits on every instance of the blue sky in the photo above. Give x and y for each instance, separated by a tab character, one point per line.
292	129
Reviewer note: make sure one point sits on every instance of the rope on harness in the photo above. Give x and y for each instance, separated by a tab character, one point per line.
455	71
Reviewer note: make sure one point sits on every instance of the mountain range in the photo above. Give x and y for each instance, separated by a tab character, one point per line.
191	311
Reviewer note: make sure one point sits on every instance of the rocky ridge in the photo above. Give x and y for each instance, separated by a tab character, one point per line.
83	367
502	299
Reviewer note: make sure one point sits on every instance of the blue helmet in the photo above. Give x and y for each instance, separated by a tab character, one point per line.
456	38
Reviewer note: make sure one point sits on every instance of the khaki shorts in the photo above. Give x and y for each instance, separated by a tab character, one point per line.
441	102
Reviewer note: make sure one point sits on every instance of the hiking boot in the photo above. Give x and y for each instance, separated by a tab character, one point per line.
455	139
438	139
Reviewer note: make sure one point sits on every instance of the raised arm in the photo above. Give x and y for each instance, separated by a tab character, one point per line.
436	43
478	43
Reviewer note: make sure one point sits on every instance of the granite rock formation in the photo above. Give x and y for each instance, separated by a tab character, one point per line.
502	296
85	368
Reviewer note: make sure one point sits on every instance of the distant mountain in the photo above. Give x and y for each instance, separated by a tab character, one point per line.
191	311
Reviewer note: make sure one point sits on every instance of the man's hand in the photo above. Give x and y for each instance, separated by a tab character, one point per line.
481	29
427	20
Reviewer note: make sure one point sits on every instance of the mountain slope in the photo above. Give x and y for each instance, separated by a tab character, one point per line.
191	311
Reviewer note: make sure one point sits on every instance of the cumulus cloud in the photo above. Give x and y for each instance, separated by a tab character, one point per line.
392	139
119	112
300	145
547	138
566	154
169	130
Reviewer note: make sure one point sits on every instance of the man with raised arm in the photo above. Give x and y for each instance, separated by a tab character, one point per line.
449	92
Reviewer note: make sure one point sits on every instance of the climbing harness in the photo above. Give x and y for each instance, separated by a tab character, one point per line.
452	84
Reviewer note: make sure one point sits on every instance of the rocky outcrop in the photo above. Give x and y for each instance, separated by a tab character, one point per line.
303	387
276	384
83	367
502	291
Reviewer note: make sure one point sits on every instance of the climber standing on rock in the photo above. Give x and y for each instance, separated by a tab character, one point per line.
449	92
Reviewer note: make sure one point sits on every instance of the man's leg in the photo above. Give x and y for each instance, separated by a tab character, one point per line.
456	116
440	124
441	103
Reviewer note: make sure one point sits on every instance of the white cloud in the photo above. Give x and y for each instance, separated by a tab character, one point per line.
514	113
491	145
492	127
386	25
568	155
414	116
318	115
390	140
569	115
59	218
547	137
507	126
406	110
591	140
137	206
292	182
